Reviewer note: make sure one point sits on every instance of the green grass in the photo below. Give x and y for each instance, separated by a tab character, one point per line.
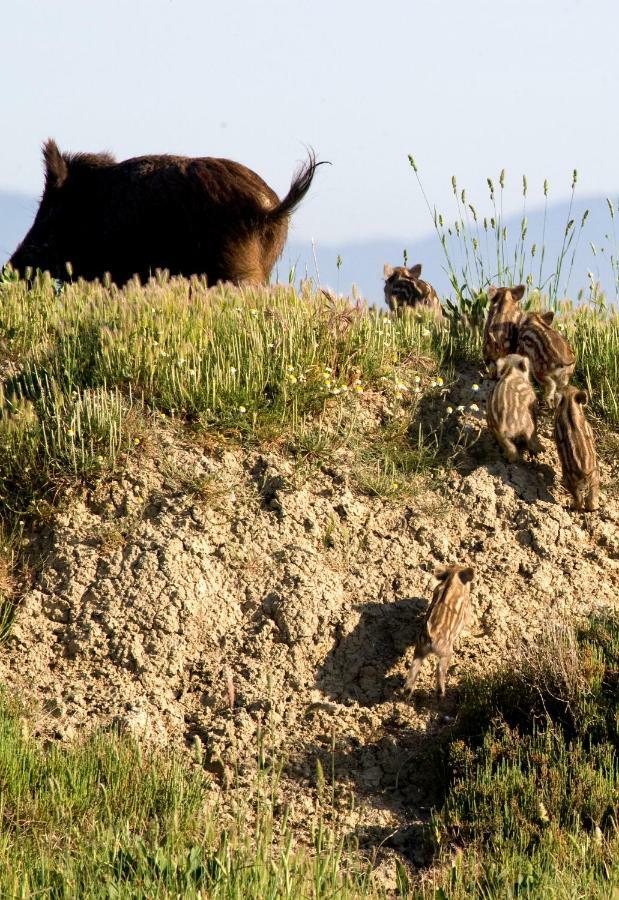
532	773
529	779
106	818
86	366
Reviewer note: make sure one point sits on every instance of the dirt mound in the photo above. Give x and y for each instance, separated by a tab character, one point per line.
203	596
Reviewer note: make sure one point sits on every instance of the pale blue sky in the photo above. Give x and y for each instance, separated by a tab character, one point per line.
467	87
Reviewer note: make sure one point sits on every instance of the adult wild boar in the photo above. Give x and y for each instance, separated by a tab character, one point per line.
191	216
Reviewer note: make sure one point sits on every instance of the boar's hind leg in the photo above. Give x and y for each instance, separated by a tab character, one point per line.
243	262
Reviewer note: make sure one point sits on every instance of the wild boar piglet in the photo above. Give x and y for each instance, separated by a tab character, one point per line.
405	288
449	612
501	328
552	359
512	407
576	446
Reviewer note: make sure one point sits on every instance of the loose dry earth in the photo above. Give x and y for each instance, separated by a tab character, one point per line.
205	595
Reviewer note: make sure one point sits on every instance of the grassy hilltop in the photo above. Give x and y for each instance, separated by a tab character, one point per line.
524	783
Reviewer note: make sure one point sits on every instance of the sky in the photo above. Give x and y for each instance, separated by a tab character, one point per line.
466	87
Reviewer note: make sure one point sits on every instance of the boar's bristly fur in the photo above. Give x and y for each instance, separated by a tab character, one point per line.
189	216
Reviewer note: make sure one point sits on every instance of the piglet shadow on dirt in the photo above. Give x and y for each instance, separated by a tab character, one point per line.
358	665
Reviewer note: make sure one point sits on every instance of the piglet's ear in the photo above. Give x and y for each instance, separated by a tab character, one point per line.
441	573
56	169
518	292
466	575
387	271
581	397
492	292
548	317
415	271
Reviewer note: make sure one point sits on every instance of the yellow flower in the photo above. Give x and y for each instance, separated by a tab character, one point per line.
474	387
439	381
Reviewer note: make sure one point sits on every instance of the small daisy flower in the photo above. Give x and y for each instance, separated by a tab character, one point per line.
449	410
358	389
242	409
232	370
460	409
417	379
474	407
426	332
439	381
474	387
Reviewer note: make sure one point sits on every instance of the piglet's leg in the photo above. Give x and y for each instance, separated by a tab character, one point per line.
413	672
550	388
441	674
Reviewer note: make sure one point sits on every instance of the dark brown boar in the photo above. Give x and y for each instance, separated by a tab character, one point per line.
191	216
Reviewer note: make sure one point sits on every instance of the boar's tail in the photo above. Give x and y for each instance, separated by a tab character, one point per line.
301	182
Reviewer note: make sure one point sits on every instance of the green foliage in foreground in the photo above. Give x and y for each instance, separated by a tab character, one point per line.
531	797
532	804
105	819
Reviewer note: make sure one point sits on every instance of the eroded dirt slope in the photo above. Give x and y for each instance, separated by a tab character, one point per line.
287	599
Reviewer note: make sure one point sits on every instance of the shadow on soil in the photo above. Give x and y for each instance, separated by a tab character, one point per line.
396	768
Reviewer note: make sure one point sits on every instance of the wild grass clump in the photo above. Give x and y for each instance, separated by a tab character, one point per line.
479	251
86	364
532	803
107	818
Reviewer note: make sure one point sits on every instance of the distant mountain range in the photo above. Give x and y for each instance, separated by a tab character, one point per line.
362	261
